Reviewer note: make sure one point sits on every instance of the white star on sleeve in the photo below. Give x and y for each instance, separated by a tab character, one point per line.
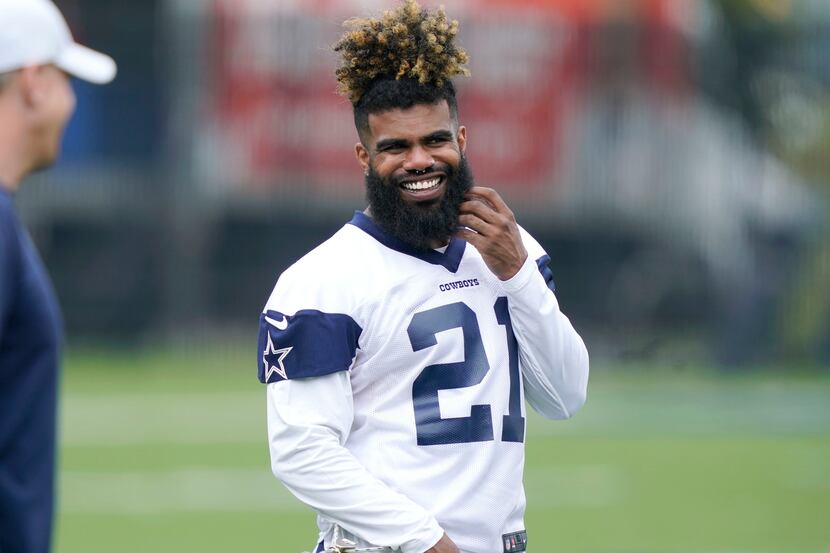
272	359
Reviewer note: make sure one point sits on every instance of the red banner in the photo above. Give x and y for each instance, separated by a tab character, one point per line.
275	119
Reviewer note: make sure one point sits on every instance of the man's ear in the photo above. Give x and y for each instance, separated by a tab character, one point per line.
462	139
362	155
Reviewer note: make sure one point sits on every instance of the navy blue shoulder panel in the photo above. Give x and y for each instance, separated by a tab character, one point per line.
308	343
450	259
542	263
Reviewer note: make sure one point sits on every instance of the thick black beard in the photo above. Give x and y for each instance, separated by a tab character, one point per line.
423	224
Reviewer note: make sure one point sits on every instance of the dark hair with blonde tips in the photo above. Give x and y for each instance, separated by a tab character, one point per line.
407	57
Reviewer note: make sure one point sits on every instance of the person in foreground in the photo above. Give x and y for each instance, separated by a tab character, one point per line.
398	353
36	100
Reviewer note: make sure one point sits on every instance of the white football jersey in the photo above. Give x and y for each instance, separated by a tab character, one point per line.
412	367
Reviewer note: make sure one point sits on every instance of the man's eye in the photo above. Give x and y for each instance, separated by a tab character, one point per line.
391	149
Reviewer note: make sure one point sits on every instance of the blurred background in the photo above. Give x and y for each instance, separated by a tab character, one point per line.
673	157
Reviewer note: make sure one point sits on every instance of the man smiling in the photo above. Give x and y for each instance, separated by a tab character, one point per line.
395	391
415	183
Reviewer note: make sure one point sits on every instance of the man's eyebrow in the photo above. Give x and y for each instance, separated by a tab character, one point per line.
439	135
391	143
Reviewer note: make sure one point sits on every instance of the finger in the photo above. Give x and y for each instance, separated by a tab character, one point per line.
471	237
471	196
479	209
492	197
476	223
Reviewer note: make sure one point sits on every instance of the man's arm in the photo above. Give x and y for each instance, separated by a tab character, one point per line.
308	423
9	265
553	357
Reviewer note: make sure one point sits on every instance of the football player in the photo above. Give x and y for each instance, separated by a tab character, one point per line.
398	355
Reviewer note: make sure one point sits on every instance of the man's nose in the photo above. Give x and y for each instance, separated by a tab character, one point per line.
418	159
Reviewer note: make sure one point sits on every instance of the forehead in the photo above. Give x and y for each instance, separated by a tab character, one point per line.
411	123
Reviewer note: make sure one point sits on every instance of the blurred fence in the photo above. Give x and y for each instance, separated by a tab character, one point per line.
671	155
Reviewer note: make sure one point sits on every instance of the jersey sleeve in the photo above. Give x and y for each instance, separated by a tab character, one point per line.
540	258
306	329
305	344
308	423
552	355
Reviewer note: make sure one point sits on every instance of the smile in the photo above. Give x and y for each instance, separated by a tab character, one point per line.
420	185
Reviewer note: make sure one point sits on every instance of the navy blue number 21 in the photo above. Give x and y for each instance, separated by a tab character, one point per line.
478	427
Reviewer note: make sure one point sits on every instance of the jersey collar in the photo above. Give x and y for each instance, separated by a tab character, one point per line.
450	259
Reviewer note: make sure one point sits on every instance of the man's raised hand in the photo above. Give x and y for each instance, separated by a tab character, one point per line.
490	226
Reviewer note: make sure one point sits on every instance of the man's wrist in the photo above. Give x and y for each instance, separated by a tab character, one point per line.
522	277
424	542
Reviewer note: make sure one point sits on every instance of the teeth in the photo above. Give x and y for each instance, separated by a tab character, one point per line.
422	185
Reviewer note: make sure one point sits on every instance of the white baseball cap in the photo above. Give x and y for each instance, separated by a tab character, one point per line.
33	32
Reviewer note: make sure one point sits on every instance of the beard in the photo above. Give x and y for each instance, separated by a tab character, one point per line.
419	224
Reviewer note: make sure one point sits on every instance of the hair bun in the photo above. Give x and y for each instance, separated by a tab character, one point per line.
408	42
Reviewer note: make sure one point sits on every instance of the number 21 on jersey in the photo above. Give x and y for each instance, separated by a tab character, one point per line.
478	427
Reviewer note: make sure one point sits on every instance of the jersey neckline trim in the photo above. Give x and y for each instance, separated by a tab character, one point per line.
450	259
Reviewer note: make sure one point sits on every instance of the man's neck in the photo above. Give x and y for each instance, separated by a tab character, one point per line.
12	163
8	181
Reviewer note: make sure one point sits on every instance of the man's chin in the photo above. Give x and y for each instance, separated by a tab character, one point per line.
427	205
45	162
423	220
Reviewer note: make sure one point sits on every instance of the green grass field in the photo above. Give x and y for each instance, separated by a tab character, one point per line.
167	453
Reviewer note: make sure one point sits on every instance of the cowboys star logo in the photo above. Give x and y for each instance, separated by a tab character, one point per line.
272	359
